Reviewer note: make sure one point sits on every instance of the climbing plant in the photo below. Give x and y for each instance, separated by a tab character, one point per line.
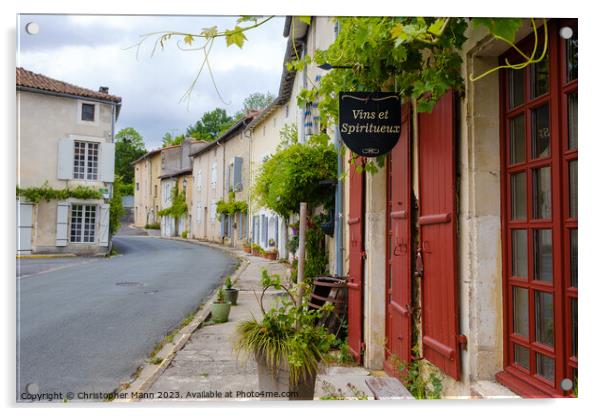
178	205
45	192
232	206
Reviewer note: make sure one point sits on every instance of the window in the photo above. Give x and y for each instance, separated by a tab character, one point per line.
83	223
155	194
137	186
540	235
213	175
85	161
88	112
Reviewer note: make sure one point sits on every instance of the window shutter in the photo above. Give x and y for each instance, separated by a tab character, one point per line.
198	213
199	180
223	225
65	159
24	225
276	231
265	229
103	231
62	220
437	170
254	229
238	173
107	162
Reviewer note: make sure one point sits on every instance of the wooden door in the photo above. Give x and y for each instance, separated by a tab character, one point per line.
399	250
355	280
437	170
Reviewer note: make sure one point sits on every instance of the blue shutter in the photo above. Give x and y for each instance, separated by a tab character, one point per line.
264	229
276	232
237	173
255	239
222	225
240	225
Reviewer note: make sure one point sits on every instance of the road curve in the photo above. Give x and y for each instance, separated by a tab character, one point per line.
88	326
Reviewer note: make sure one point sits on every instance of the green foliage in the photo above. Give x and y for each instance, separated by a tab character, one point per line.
232	206
292	174
170	140
184	234
504	28
116	210
228	283
316	257
45	192
126	189
178	205
129	146
220	297
153	226
211	125
255	101
286	333
421	386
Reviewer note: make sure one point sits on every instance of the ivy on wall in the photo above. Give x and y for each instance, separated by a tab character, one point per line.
46	193
232	206
178	205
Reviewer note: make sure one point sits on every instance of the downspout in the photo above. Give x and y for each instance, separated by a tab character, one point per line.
338	200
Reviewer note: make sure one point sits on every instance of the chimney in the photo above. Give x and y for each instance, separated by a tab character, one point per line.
104	90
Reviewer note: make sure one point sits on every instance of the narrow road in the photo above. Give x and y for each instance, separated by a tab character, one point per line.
86	325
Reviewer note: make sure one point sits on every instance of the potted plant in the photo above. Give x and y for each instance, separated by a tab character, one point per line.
271	242
246	246
220	309
286	344
230	294
271	254
256	250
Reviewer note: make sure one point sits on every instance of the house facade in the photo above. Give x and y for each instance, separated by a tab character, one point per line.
147	188
65	141
220	172
462	252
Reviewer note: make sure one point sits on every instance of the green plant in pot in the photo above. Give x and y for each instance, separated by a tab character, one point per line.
220	309
230	293
286	344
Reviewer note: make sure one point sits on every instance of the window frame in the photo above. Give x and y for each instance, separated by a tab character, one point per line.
87	176
85	208
527	381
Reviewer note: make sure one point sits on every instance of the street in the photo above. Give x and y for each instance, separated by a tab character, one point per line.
87	324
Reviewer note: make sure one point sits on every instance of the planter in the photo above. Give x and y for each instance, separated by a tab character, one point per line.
231	296
246	249
220	312
278	381
271	255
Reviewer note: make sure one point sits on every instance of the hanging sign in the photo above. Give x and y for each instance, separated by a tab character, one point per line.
370	122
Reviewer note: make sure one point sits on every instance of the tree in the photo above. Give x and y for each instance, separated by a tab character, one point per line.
129	146
255	101
211	124
170	140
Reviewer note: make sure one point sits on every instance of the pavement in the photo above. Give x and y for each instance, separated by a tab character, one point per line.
87	324
206	368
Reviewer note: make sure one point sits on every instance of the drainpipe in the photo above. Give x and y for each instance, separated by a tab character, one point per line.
338	205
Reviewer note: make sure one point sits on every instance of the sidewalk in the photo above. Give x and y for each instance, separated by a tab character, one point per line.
206	368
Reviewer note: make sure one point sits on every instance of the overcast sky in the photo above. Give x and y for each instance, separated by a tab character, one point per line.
90	51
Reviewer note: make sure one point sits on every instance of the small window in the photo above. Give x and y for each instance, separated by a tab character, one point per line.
137	186
88	112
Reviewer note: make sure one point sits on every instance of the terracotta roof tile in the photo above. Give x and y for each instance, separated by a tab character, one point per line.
30	79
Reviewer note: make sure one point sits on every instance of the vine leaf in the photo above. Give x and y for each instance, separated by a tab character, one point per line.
235	37
505	28
188	39
305	19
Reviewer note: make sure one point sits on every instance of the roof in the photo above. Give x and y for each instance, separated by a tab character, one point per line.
146	155
228	134
287	81
31	80
176	173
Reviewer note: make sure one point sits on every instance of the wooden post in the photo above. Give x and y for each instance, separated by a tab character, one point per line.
301	259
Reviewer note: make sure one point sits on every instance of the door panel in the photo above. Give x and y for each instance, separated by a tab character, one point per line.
438	236
356	264
399	250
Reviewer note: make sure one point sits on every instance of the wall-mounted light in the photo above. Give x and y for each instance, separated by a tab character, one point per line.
566	32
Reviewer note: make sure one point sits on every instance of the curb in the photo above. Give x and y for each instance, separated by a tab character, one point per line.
46	256
150	372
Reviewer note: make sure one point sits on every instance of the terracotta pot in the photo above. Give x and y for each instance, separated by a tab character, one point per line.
246	249
271	255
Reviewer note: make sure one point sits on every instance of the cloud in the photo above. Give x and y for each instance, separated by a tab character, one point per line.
90	51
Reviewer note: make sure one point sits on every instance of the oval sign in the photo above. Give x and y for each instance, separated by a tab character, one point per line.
370	122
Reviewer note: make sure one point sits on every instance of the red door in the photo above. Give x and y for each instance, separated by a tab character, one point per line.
437	222
399	250
356	263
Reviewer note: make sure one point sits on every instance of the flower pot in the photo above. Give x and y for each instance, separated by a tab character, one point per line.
271	255
246	249
220	312
231	296
278	381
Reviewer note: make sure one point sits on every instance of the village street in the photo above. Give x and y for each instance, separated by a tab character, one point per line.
87	324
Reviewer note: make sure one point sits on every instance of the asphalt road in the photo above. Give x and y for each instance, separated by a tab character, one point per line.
87	324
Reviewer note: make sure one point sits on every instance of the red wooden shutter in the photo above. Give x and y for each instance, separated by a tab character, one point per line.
356	263
438	236
399	270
